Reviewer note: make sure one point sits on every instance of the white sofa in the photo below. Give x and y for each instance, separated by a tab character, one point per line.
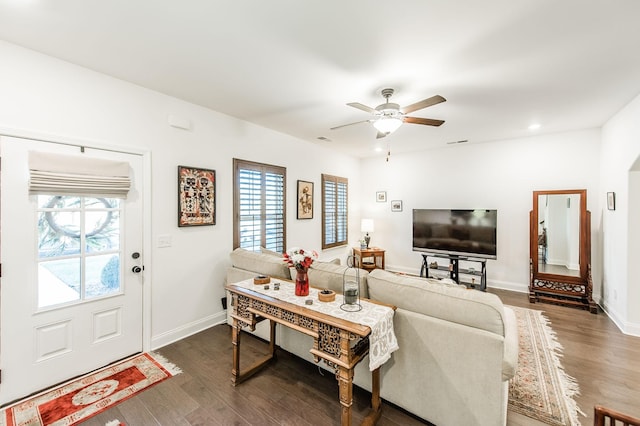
458	347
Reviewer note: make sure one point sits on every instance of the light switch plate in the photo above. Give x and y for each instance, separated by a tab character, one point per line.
164	241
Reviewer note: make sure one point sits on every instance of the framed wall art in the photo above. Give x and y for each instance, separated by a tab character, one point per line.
381	196
396	205
305	200
196	196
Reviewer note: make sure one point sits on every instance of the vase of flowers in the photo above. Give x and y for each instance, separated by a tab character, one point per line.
301	260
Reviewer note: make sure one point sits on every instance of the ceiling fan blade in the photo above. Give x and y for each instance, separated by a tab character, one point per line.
362	107
350	124
427	121
423	104
381	135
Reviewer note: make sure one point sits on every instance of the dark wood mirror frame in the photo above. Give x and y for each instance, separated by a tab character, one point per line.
562	289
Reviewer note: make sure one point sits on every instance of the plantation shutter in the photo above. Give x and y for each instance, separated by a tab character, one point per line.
274	212
259	206
57	174
334	211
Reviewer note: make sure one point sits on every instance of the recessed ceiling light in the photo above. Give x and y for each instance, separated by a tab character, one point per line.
534	126
378	149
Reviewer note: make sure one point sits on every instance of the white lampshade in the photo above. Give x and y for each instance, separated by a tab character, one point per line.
366	225
387	124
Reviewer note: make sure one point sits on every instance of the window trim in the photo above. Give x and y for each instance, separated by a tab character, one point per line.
336	180
263	168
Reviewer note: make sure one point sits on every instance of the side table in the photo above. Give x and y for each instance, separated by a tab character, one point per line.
368	259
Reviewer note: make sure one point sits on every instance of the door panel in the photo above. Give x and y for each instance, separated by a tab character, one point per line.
69	300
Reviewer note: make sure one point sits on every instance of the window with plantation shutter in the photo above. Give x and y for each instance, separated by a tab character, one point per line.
334	211
259	206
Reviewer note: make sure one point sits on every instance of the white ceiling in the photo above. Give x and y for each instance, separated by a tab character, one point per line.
292	65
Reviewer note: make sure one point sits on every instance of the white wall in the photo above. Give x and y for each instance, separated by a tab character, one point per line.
63	101
498	175
620	173
42	94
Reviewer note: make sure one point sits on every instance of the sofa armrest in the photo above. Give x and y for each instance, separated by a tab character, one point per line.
510	358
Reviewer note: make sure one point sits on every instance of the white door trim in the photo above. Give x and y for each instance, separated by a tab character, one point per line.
146	207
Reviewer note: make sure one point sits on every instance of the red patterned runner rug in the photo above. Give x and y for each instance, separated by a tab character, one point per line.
89	395
540	388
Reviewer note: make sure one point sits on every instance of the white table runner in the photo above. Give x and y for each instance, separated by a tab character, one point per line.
382	341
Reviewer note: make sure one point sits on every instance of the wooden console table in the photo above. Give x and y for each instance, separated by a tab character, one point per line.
332	339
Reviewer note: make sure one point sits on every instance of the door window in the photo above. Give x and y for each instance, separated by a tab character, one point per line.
78	248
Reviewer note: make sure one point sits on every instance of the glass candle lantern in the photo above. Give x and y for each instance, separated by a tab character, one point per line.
351	287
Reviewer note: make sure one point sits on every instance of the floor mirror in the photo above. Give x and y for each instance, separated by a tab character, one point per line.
560	249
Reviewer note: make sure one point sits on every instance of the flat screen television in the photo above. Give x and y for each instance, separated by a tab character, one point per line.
464	233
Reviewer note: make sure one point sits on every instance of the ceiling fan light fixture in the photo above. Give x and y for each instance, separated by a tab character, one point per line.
387	124
388	117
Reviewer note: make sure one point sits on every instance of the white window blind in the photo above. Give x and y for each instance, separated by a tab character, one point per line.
57	174
259	192
334	211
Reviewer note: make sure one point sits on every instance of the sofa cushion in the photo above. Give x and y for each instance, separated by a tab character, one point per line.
451	303
270	252
510	359
260	263
279	255
329	275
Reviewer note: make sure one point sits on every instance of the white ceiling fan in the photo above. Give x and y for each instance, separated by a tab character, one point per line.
388	117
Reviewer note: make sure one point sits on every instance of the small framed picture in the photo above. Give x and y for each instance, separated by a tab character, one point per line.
396	205
381	196
611	200
196	196
305	200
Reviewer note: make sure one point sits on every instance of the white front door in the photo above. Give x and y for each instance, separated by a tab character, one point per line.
71	285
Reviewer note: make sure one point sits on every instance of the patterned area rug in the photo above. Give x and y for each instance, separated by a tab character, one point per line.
75	401
541	389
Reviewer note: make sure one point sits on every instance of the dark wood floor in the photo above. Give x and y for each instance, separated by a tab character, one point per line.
605	362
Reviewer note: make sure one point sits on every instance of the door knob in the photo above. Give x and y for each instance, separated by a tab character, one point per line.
136	269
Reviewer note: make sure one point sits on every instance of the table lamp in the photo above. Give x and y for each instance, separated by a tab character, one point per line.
366	225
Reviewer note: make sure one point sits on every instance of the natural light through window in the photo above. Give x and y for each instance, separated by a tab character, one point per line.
78	248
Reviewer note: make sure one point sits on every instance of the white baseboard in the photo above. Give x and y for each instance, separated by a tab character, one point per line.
630	328
507	285
171	336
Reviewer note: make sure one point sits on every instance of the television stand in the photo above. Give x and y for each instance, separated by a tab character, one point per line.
455	271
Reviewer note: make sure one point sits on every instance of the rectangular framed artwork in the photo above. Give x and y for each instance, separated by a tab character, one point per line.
196	196
305	200
381	196
396	205
611	200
